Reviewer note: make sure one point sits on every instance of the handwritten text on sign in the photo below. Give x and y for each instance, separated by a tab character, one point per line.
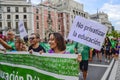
88	32
22	29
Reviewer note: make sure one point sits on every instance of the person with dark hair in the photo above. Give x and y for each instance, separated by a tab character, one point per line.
26	40
83	52
108	49
117	51
57	43
113	46
34	44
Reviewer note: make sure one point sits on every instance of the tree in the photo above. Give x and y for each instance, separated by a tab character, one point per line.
115	34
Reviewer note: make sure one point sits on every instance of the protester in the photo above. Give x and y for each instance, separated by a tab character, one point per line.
4	38
117	51
108	48
34	44
99	55
57	44
113	46
20	45
10	44
26	40
70	46
83	51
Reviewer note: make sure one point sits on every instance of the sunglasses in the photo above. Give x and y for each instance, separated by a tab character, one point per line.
32	38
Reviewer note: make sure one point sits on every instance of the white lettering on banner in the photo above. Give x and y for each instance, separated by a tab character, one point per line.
11	76
29	77
88	32
14	76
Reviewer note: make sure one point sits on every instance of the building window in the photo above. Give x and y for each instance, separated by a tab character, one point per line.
8	9
81	14
84	15
8	17
67	15
37	17
25	24
25	17
65	3
0	16
0	8
59	27
24	9
71	16
37	25
76	12
0	25
16	9
17	30
9	25
16	16
59	15
37	11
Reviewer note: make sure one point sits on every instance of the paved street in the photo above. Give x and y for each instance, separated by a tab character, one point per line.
117	77
98	70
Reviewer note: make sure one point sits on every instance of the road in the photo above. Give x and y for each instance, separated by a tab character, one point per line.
99	70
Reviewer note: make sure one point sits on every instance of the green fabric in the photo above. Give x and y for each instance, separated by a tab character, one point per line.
58	65
70	48
46	46
83	50
113	43
12	44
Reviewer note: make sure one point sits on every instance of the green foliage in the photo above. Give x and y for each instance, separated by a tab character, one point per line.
115	34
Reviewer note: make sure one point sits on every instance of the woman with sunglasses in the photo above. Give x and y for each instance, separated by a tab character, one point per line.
34	44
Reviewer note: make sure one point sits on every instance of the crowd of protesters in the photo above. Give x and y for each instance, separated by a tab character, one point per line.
58	45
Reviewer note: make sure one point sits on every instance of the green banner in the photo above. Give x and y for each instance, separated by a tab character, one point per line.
25	66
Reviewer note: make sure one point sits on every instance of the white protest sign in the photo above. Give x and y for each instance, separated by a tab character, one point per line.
22	29
88	32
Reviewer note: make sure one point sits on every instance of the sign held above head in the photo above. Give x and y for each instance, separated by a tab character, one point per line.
88	32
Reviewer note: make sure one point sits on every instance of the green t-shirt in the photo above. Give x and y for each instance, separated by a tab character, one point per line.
84	50
113	43
12	44
70	47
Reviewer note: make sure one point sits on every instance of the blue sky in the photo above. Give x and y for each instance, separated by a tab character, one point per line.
111	7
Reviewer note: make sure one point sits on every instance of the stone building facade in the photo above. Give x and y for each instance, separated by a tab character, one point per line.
45	19
67	10
11	11
103	19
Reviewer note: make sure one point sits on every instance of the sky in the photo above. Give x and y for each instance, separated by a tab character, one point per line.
111	7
